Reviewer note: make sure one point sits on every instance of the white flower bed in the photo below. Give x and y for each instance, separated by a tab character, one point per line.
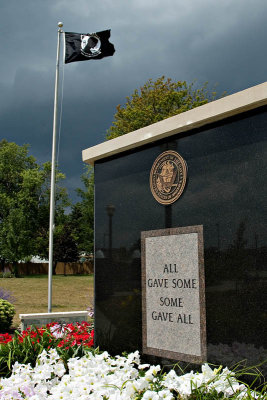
121	378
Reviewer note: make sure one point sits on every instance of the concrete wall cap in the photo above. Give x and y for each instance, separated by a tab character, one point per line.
56	314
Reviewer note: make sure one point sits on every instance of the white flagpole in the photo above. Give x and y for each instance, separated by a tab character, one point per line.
53	167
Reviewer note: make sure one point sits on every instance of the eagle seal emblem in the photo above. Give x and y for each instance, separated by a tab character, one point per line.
168	177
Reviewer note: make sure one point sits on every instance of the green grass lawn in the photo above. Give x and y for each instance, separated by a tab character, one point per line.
69	293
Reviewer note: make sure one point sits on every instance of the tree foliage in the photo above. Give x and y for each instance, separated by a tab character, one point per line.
60	218
65	247
157	100
82	215
20	186
24	203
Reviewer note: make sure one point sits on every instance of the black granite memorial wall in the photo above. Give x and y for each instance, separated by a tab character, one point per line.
226	193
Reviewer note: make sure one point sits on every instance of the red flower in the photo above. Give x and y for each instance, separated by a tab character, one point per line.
75	334
5	338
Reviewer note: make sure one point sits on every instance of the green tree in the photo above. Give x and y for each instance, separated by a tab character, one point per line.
24	203
82	215
19	177
65	246
60	218
157	100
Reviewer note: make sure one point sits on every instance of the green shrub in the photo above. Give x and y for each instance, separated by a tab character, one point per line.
7	312
6	275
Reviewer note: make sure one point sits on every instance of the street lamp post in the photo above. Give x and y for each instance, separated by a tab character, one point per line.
110	211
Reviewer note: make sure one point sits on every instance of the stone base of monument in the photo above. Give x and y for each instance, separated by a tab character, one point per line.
41	319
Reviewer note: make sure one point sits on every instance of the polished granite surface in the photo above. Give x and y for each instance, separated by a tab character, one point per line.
226	193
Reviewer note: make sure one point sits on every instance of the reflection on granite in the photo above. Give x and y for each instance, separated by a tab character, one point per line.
241	353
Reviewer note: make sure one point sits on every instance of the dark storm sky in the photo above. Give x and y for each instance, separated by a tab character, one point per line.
222	42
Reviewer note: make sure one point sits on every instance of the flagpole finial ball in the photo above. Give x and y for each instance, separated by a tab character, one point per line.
60	24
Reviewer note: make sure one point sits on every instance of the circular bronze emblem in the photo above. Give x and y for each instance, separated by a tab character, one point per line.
168	177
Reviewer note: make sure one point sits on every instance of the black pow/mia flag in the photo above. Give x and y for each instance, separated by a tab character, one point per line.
87	46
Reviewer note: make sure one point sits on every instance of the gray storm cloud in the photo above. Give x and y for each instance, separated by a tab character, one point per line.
206	40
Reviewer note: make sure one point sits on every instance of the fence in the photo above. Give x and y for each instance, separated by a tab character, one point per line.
30	268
